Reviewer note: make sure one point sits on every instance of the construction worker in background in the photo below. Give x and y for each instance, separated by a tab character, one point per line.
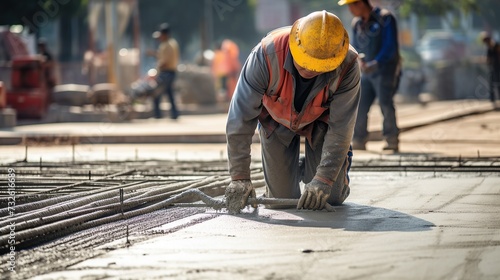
49	66
226	67
302	80
375	37
493	61
167	57
220	69
233	53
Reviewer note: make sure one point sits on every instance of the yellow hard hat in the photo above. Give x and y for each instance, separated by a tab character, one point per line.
343	2
319	42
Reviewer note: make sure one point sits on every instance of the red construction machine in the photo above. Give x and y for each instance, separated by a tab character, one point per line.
3	96
28	93
24	77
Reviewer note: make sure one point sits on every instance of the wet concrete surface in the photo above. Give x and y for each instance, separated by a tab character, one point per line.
87	244
418	226
394	225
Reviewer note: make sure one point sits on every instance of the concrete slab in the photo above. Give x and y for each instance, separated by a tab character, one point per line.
116	152
400	225
210	128
193	129
8	118
473	136
421	226
415	115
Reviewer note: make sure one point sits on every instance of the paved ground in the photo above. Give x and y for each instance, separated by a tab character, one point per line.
418	226
452	128
394	225
210	128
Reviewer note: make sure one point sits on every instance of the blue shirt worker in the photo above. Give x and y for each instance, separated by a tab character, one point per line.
375	37
493	61
299	81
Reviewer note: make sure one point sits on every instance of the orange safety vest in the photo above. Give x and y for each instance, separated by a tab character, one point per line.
278	101
220	64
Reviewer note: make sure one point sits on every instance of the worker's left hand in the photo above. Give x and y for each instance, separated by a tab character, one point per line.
315	195
370	66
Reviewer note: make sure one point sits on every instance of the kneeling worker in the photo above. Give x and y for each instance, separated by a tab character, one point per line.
302	80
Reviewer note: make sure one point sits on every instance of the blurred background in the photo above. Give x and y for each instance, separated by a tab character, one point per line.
96	42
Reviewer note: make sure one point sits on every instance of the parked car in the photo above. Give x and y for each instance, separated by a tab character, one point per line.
438	46
413	77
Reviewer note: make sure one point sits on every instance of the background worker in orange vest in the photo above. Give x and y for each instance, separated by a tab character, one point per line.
233	52
300	81
220	69
226	67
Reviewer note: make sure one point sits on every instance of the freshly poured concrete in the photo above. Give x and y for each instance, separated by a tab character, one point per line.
393	226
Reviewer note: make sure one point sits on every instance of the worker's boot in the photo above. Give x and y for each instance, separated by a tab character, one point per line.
358	144
392	145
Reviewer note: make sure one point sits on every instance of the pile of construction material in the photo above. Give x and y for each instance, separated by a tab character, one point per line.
195	85
80	95
75	102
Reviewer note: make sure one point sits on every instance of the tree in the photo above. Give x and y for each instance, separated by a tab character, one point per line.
485	9
488	12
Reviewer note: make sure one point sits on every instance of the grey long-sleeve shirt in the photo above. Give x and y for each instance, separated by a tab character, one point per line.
246	105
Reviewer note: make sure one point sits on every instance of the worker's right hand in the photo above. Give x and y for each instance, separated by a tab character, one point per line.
369	67
315	195
239	191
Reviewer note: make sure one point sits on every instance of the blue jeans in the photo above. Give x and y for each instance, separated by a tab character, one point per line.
165	79
383	87
494	84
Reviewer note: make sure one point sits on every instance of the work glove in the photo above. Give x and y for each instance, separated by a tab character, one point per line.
315	195
237	194
369	67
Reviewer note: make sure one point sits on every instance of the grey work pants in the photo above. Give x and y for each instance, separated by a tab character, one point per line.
280	160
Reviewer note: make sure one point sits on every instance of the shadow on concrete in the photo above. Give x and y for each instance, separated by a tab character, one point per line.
350	217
